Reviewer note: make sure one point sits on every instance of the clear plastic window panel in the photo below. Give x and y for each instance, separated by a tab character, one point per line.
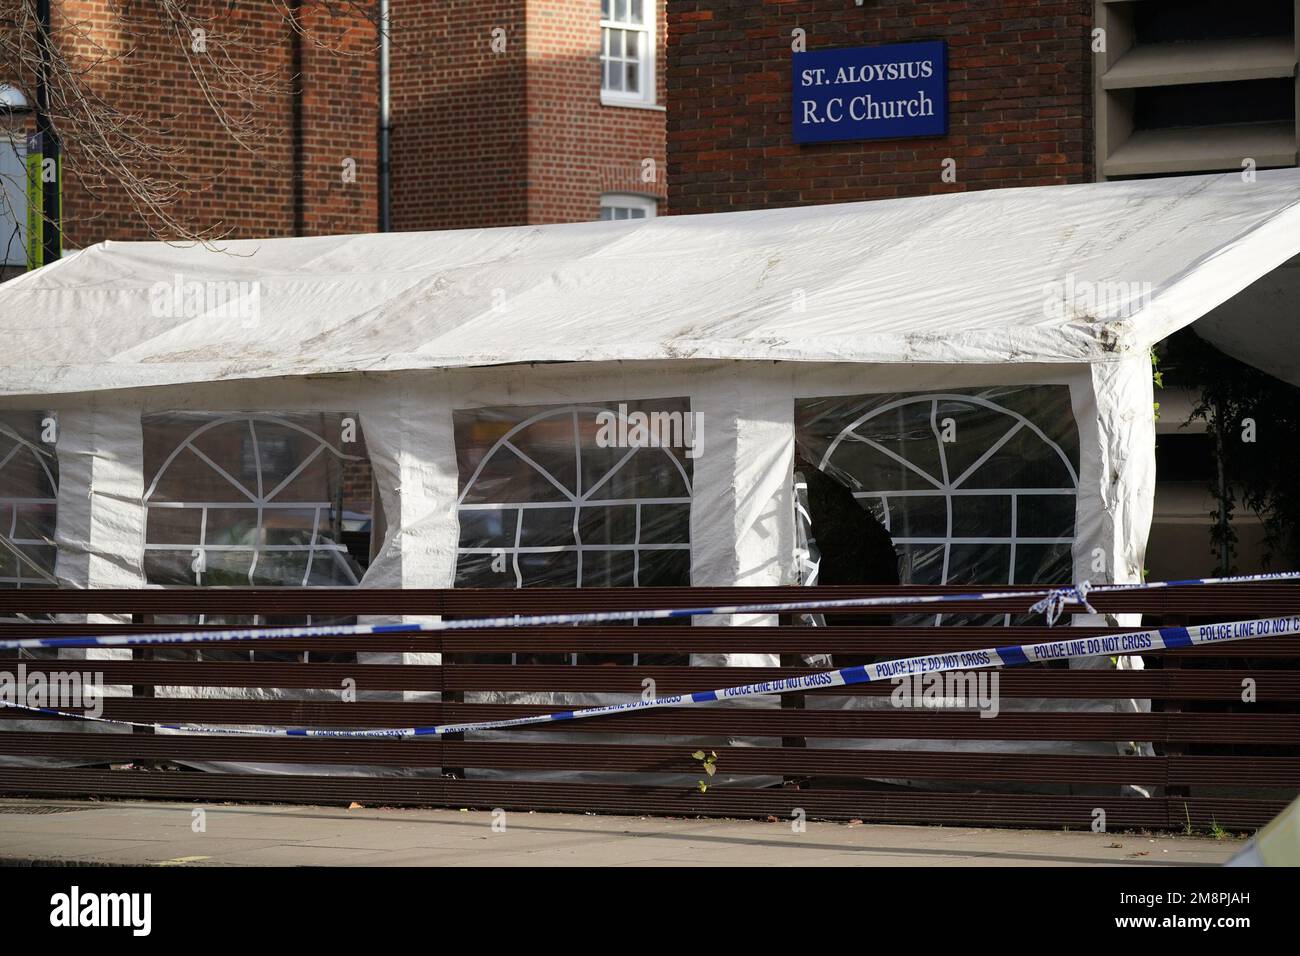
973	486
29	484
256	499
552	496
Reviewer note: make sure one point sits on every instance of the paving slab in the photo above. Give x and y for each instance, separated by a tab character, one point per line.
154	833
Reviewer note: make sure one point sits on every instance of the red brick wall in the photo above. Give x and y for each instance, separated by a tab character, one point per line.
579	148
480	138
1020	110
489	139
231	191
460	146
341	120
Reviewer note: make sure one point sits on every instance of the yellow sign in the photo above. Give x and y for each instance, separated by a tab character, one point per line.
37	176
35	205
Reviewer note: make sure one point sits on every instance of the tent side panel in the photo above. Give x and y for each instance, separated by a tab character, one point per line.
1117	483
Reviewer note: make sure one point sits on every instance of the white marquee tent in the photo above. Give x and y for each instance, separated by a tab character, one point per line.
211	405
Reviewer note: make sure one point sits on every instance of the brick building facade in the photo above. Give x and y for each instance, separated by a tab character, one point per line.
460	136
293	183
498	116
1020	100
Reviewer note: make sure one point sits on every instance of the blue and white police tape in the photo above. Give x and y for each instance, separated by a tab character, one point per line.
1050	600
1053	606
1133	642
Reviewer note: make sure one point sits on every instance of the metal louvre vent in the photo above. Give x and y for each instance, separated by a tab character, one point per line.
1195	86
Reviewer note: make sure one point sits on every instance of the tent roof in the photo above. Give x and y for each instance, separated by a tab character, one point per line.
989	276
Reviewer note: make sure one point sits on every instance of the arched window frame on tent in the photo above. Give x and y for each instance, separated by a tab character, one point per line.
258	498
29	508
859	412
654	531
28	500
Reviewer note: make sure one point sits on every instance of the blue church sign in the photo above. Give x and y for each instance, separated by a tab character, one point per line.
882	92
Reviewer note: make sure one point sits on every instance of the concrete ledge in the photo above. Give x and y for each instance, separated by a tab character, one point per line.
66	832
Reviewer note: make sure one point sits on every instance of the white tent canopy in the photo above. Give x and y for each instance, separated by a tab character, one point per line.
1061	274
1258	325
190	388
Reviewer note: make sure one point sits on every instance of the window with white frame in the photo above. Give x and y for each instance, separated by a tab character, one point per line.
627	51
974	486
243	499
562	496
627	206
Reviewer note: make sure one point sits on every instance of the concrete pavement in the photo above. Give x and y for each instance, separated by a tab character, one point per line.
176	834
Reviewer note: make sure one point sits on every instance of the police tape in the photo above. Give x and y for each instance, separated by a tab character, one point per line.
1133	642
1050	601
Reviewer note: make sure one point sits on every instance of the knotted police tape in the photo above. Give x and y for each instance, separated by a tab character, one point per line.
1053	606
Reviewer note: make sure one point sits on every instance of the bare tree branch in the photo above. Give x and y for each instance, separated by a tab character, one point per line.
118	144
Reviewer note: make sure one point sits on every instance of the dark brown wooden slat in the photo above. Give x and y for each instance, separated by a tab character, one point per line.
615	639
629	758
122	748
723	721
1019	683
1022	683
